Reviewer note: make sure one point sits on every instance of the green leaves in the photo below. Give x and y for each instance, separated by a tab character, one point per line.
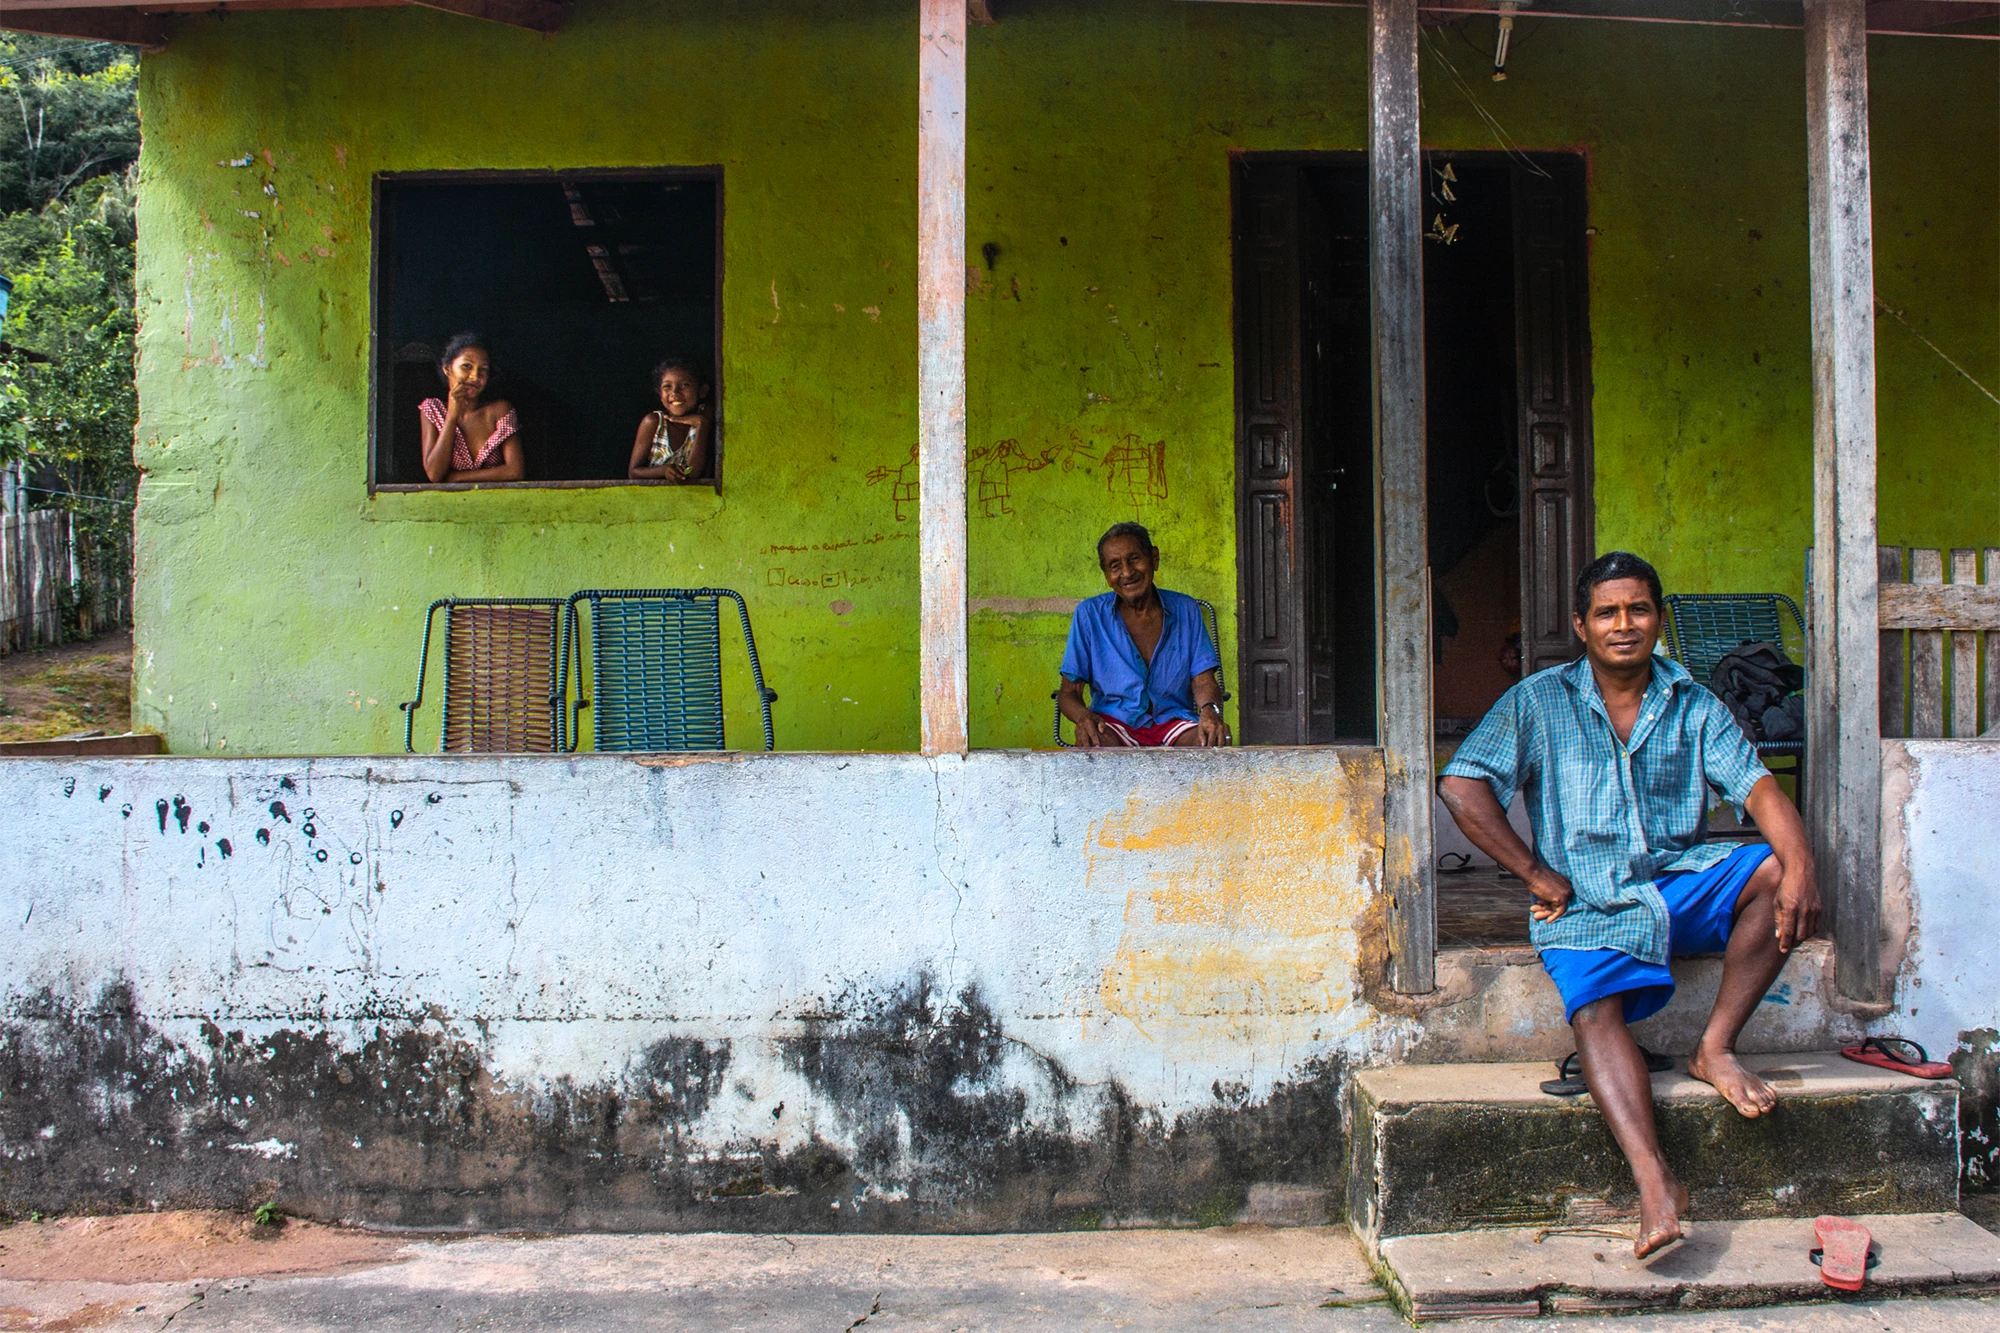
68	112
69	139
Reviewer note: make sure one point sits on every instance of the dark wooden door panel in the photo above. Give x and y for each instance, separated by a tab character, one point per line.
1270	577
1552	335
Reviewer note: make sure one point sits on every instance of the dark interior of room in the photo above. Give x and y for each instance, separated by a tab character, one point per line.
579	284
1470	402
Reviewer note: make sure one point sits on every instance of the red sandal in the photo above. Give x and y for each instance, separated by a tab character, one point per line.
1843	1254
1892	1053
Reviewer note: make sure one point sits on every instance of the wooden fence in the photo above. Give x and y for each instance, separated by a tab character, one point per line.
54	586
1939	619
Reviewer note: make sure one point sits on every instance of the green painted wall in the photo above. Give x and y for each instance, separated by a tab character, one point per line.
280	604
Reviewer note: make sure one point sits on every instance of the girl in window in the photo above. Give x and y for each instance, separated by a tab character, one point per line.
465	437
672	443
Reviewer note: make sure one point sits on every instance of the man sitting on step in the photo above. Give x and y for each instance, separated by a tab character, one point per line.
1612	754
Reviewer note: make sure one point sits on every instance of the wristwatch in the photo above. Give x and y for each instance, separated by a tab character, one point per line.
1216	706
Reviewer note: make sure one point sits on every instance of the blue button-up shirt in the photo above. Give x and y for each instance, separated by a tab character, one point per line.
1611	817
1102	655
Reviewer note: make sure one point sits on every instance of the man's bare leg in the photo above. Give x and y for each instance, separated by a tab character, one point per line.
1615	1070
1750	964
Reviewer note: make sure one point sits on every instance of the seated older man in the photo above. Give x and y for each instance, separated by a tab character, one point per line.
1145	655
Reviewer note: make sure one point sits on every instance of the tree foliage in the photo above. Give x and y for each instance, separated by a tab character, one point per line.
69	138
70	112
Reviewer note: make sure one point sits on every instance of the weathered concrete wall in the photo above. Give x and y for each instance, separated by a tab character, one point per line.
798	991
808	991
278	601
1943	859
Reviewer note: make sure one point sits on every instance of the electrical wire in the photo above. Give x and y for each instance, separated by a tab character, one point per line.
1897	315
1500	135
107	499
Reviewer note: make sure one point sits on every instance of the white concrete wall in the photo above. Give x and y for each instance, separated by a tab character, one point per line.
1172	920
1945	844
1166	935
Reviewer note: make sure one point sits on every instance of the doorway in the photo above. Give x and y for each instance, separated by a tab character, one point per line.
1507	434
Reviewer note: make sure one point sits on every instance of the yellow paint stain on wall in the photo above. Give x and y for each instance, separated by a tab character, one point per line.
1241	895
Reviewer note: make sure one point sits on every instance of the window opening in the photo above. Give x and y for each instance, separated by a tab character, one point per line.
580	283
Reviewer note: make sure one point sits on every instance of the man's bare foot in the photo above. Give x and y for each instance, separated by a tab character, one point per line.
1750	1095
1660	1223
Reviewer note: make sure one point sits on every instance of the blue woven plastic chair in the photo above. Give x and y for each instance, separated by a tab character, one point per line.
654	668
502	676
1705	627
1214	639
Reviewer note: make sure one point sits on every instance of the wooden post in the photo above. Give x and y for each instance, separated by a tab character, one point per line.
941	374
1964	654
1991	692
1402	552
1891	689
1843	726
1926	654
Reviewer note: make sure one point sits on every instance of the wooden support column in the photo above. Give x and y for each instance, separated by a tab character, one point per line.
941	374
1402	560
1843	716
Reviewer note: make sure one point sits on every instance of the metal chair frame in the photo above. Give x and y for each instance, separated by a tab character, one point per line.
572	643
555	701
1753	618
1214	640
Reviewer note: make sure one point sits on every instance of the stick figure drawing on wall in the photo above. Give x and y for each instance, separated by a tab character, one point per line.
1136	473
903	490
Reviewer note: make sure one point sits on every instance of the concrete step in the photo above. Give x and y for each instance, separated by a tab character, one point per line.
1526	1271
1448	1148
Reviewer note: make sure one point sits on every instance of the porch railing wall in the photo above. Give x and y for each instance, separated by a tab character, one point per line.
1940	644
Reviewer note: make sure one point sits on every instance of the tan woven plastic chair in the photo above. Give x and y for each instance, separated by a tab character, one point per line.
502	681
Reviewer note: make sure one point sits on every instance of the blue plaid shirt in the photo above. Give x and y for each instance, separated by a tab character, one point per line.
1611	817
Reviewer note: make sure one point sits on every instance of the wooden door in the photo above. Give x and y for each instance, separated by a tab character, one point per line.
1271	551
1552	342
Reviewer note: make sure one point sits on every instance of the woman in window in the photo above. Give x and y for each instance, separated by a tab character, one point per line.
672	443
465	437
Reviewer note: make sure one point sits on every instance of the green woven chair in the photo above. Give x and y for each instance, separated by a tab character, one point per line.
653	667
1705	627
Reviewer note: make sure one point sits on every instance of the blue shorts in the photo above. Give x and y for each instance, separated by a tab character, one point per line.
1701	904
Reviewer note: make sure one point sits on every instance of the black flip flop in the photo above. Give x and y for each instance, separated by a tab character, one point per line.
1569	1080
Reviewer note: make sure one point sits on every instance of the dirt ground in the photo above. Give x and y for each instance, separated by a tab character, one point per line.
177	1246
169	1247
77	687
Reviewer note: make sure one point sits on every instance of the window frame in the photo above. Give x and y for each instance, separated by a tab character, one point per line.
380	297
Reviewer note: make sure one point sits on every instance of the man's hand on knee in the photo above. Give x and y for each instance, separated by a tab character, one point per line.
1797	903
1797	907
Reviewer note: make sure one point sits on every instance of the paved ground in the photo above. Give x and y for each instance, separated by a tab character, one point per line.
208	1271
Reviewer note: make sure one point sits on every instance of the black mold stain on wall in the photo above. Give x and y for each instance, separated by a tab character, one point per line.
1976	1065
918	1083
100	1111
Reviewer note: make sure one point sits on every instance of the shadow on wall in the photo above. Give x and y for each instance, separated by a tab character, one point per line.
943	1122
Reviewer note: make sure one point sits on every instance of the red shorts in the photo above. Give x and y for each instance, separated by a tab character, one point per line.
1160	733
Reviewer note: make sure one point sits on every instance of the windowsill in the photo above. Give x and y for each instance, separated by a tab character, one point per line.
402	488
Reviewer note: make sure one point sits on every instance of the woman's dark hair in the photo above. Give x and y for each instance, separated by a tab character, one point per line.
1614	565
686	364
461	342
1133	530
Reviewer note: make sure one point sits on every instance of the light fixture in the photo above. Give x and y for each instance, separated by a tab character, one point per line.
1507	8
